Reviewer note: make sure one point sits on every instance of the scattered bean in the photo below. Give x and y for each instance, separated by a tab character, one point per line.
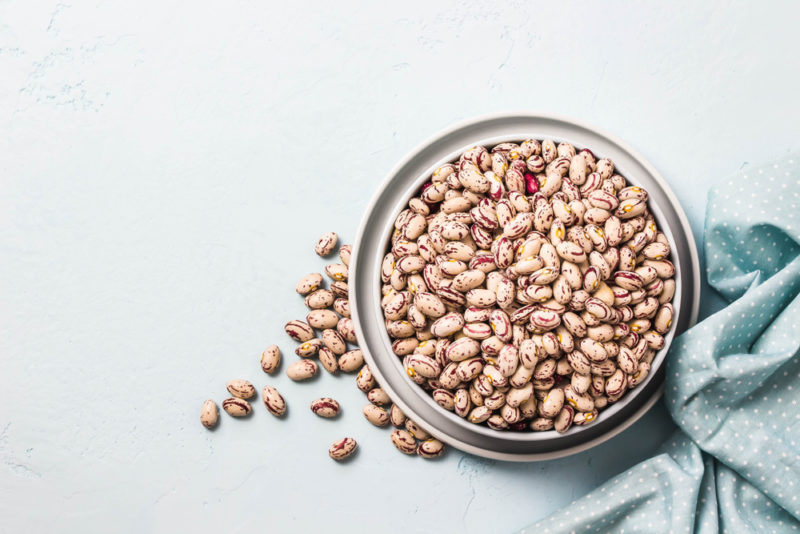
302	370
241	389
415	430
430	448
321	320
365	381
404	441
325	407
351	361
328	360
209	415
342	448
344	254
271	359
376	415
326	244
273	400
309	283
236	407
378	397
319	299
299	330
396	416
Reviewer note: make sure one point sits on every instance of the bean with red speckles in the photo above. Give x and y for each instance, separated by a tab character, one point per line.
347	330
299	330
415	430
337	272
563	421
340	289
325	407
342	448
209	415
344	254
430	448
273	400
334	341
322	319
404	441
236	407
302	370
241	389
365	380
375	415
271	359
328	360
396	416
319	299
310	282
342	307
309	348
378	397
326	244
351	361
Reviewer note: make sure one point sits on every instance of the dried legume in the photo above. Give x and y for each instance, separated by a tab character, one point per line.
325	407
271	359
343	448
209	415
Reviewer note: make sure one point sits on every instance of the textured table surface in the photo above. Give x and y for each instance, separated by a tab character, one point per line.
166	167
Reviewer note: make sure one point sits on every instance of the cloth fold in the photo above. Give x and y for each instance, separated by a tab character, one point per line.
732	386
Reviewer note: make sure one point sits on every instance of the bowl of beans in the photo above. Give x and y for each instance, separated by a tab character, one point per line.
516	283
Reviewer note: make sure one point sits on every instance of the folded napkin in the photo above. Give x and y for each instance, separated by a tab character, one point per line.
732	386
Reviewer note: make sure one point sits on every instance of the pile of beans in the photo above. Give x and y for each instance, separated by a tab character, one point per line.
326	335
527	286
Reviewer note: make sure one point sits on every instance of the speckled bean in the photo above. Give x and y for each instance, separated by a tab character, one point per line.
209	414
378	397
342	448
309	348
241	389
396	416
274	401
325	407
430	448
404	441
309	283
375	415
415	430
345	251
299	330
328	360
322	319
351	361
326	244
552	403
236	407
302	370
271	359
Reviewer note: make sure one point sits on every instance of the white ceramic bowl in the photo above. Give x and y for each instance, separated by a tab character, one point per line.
373	237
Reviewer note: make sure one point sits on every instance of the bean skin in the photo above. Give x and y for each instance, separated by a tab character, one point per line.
342	449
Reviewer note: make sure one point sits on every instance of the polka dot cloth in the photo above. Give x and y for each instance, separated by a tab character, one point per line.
733	385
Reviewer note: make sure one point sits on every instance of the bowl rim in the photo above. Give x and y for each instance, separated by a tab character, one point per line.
413	185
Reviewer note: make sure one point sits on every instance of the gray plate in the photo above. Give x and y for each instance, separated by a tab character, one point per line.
373	237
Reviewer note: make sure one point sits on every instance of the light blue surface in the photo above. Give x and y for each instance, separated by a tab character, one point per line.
733	384
166	167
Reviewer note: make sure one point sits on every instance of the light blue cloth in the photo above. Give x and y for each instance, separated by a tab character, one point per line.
733	385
